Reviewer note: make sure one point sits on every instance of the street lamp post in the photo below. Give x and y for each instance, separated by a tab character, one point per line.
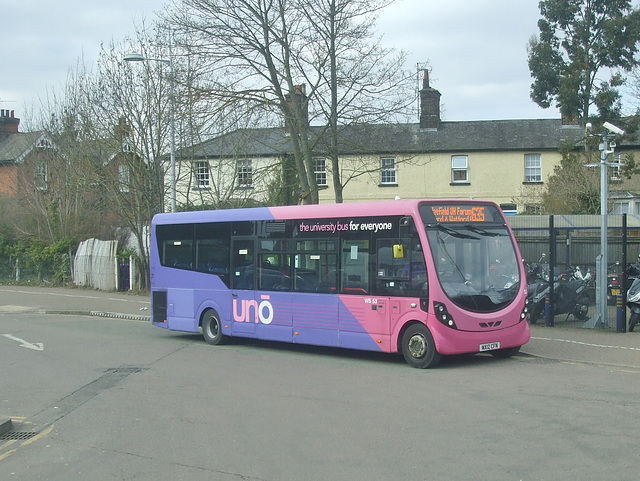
137	57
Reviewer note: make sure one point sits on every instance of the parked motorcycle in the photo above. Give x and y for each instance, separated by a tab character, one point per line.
614	283
537	281
633	303
569	297
615	280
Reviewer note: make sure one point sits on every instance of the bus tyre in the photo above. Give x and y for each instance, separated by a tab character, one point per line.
633	321
212	328
419	348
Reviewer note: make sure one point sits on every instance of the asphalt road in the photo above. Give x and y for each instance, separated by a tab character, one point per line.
119	399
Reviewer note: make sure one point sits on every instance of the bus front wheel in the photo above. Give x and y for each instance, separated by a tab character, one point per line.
419	348
212	328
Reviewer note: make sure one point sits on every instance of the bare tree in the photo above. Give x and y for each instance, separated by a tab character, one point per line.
361	82
125	116
55	186
254	47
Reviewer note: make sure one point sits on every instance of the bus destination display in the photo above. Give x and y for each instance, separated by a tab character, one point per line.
459	213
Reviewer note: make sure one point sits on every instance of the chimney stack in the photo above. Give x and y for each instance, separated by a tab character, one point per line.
299	93
8	123
429	105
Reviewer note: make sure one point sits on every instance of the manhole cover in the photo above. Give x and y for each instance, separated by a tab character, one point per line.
17	435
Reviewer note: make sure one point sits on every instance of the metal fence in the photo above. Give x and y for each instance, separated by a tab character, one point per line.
24	269
565	242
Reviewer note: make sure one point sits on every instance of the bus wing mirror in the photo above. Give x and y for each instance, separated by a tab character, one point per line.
398	251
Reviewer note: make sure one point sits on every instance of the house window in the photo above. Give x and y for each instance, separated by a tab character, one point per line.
615	168
532	168
533	209
320	170
124	180
459	169
201	171
388	170
40	175
245	173
620	208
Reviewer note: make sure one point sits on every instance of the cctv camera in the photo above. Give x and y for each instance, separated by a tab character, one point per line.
613	129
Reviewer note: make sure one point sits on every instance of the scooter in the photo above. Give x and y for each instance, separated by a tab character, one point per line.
633	303
569	298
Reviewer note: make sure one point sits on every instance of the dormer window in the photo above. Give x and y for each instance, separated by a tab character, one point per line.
127	145
44	143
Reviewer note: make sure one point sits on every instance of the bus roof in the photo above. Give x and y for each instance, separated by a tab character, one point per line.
314	211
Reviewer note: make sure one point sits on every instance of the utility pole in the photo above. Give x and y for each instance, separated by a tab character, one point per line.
607	146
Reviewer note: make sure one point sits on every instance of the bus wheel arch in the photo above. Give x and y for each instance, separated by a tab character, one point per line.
418	346
212	327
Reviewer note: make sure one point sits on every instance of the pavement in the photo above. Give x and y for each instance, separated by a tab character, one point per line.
572	344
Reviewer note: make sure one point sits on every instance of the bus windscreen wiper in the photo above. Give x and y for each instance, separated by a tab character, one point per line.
484	232
455	233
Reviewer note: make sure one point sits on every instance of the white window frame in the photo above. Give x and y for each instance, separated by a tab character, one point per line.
124	178
201	174
388	172
459	169
244	173
532	168
320	171
40	175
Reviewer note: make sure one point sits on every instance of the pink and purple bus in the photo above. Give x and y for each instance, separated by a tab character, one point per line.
422	277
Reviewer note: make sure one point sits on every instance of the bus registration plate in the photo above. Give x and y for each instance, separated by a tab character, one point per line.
490	346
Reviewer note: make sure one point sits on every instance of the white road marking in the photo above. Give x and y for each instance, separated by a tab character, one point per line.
36	346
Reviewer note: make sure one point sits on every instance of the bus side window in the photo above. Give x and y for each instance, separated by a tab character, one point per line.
175	243
355	266
316	265
212	250
416	271
274	272
244	268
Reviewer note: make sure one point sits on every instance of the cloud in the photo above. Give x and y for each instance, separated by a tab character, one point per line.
476	50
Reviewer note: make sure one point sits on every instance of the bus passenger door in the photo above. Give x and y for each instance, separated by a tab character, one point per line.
314	306
244	305
363	316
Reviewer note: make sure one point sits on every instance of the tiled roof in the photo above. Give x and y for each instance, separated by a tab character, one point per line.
13	146
462	136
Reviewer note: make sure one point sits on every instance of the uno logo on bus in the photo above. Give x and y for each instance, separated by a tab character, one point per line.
262	312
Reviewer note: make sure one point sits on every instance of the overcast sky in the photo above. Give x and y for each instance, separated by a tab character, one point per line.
476	49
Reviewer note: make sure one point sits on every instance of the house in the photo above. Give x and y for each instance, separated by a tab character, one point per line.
506	161
22	154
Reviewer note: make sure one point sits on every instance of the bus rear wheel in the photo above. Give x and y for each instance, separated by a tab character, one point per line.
419	348
212	328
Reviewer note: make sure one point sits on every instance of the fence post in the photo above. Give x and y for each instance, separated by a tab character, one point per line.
621	318
548	307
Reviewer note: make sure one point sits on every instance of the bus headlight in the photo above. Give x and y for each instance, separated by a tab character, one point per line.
525	310
443	315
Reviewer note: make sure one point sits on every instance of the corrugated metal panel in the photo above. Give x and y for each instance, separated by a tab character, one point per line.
95	264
